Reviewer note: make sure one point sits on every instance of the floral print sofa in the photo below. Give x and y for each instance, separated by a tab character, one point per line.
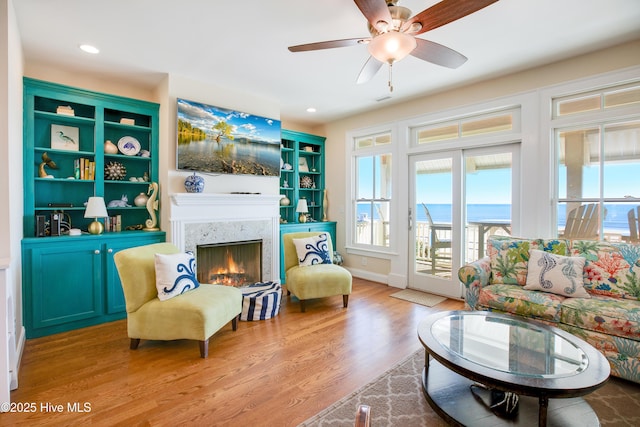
608	319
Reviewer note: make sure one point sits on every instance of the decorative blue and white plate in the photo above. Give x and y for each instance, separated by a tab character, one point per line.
129	146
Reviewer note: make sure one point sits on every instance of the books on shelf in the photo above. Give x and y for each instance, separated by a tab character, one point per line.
113	223
126	121
84	169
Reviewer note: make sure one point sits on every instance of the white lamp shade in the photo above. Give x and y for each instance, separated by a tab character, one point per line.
302	206
96	208
392	46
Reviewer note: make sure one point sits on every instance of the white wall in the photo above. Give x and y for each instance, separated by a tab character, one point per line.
11	199
173	181
615	58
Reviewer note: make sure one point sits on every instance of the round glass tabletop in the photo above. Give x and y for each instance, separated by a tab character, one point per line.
510	345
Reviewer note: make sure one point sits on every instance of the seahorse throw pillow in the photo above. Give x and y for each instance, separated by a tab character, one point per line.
175	274
561	275
313	250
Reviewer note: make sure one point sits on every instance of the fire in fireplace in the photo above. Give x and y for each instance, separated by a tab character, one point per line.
232	264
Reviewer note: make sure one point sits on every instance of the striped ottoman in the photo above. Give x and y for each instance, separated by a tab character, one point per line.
260	301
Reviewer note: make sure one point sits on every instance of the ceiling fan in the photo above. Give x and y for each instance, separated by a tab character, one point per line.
393	34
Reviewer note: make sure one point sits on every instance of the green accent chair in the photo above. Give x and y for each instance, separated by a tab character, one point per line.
193	315
315	281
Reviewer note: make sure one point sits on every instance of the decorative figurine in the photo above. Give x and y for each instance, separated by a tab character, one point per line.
152	207
122	203
115	171
46	161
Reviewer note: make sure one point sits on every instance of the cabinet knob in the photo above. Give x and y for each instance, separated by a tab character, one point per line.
110	250
97	252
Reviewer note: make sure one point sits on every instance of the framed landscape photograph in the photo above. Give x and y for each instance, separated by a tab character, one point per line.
65	138
222	141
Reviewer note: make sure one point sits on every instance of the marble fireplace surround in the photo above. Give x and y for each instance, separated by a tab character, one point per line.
206	218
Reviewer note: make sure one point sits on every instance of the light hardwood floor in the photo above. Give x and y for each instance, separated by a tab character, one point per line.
277	372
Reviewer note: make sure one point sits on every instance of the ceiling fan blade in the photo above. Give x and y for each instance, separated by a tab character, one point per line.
375	11
369	70
438	54
444	12
327	45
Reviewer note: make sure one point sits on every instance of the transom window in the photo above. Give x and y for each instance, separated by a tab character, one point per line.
600	100
483	124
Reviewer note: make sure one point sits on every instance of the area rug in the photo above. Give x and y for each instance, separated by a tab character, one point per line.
419	297
396	399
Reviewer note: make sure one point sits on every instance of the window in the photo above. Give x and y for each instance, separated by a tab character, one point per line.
372	198
600	100
479	124
598	163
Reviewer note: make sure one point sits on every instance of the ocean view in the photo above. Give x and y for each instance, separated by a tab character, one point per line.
615	221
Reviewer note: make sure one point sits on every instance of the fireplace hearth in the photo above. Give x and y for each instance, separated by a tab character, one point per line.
231	263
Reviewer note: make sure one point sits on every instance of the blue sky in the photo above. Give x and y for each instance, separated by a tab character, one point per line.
244	125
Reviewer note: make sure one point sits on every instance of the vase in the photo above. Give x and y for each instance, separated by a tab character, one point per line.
285	201
110	147
194	184
141	199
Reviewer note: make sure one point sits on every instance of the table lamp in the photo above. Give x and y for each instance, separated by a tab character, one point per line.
302	209
96	209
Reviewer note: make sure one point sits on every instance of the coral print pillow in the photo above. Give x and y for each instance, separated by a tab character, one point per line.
313	250
612	269
509	256
175	274
560	275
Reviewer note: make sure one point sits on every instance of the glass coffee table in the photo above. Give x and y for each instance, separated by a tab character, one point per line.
547	367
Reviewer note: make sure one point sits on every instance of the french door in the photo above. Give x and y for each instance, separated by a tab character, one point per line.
457	199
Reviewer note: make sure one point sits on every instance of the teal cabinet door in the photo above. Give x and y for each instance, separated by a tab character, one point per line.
115	296
64	291
72	282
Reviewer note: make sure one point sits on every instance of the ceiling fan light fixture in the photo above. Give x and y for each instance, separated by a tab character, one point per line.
382	26
414	27
392	46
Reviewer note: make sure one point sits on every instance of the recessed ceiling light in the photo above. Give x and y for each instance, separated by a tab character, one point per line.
311	110
89	49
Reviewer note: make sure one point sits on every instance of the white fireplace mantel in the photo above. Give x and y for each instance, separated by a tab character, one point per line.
220	217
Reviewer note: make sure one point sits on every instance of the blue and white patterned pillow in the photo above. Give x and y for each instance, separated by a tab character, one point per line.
175	274
313	250
561	275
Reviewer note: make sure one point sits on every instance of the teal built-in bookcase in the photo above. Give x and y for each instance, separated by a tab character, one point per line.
71	281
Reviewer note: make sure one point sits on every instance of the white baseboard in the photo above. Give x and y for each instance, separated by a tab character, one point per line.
19	350
367	275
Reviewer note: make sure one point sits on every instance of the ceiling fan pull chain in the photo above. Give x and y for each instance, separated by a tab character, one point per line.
390	77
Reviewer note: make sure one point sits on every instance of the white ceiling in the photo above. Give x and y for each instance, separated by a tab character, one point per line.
243	44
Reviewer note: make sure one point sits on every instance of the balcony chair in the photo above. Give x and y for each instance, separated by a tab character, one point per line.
582	222
193	315
313	281
435	241
634	225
